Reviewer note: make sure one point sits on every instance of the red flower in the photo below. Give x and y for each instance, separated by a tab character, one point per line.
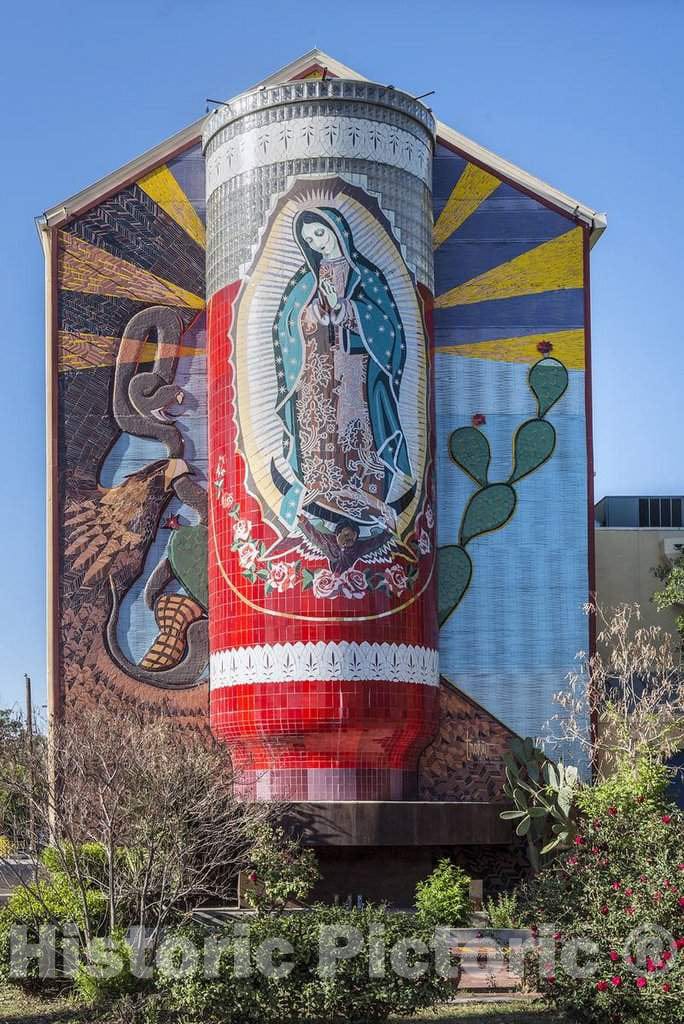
558	936
666	819
478	419
667	955
629	892
605	910
680	901
667	987
616	981
601	986
681	867
614	956
551	980
679	943
629	910
650	966
616	886
641	983
630	959
544	347
579	840
612	811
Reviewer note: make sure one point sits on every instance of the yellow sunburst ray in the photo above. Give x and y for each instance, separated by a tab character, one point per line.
86	268
161	186
82	350
551	266
568	346
469	192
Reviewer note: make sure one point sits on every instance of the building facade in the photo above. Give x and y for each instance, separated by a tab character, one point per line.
319	455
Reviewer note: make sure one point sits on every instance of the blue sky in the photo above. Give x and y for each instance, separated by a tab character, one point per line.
586	95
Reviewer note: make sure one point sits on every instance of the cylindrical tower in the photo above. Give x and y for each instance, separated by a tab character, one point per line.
324	666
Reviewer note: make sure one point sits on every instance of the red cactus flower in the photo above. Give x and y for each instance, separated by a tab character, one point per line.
666	819
478	419
680	901
579	840
613	812
616	981
641	983
616	886
650	966
605	910
629	892
614	956
667	955
679	943
545	347
601	986
629	910
667	987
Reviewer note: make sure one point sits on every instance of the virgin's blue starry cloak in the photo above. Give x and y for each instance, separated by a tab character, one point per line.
381	336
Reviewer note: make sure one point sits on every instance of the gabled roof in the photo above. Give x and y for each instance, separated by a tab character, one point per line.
318	62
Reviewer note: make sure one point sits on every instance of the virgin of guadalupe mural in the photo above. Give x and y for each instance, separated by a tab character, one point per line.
340	351
330	425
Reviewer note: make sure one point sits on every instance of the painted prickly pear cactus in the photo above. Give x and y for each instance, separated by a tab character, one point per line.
494	503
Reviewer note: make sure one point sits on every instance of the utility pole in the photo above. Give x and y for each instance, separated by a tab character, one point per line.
29	739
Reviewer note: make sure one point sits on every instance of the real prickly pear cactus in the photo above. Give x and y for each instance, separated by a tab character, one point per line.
493	504
543	793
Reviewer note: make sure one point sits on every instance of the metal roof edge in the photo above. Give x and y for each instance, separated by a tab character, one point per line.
62	212
59	214
595	221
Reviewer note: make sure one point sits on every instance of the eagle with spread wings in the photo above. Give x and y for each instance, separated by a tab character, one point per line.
343	548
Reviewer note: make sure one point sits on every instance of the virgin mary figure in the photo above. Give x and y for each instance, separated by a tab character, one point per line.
340	350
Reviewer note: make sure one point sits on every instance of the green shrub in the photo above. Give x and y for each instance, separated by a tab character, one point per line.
444	897
504	910
282	871
55	900
352	995
624	875
104	991
5	925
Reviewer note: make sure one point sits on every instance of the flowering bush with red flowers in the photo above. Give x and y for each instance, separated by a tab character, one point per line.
620	888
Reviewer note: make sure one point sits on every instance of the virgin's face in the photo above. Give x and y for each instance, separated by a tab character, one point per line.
321	239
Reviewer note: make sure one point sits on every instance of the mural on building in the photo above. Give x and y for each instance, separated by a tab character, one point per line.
331	410
322	478
132	409
511	441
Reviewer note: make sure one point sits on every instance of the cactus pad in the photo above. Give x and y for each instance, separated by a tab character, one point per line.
533	444
488	509
548	380
187	552
454	571
469	448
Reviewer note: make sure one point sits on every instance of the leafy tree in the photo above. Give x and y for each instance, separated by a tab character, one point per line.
672	594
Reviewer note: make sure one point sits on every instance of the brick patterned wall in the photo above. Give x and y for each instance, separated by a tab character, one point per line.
464	761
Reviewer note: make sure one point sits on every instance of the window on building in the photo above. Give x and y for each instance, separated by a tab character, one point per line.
661	512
